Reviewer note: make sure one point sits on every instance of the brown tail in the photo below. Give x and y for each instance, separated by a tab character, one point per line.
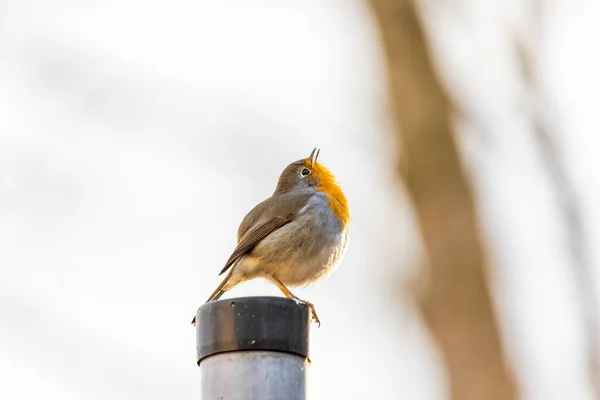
218	291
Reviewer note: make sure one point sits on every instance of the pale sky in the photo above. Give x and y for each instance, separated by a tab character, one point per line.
136	135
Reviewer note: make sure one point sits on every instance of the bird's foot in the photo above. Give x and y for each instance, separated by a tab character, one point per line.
313	312
310	306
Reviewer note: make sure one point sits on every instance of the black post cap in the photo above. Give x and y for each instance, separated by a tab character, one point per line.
252	323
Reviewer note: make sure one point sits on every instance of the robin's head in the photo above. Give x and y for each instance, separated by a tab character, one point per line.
309	173
305	173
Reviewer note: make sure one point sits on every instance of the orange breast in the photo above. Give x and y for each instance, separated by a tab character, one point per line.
336	198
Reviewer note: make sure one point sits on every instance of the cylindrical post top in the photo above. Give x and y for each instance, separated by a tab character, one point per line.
252	323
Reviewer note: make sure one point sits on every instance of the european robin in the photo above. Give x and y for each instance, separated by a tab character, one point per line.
294	238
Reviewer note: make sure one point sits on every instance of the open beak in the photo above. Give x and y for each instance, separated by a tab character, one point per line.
313	156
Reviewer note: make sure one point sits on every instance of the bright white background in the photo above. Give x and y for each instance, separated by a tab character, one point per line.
135	135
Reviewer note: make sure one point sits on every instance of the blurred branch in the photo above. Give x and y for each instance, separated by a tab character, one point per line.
569	207
456	303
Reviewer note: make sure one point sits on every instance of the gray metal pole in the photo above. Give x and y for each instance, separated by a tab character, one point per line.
253	348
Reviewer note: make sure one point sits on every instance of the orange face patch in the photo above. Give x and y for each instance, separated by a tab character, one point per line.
328	185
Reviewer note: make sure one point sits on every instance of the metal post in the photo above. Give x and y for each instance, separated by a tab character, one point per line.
253	348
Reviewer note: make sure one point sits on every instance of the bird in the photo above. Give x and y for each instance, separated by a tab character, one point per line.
294	238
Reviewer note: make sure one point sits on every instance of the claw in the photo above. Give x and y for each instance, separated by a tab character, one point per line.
313	312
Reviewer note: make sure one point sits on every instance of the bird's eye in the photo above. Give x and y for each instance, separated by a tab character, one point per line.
305	172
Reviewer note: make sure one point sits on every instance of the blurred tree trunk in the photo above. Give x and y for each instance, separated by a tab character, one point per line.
456	303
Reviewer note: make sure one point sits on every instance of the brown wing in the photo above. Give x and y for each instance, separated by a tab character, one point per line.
258	212
254	236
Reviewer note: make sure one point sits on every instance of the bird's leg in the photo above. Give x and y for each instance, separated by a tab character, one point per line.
287	293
